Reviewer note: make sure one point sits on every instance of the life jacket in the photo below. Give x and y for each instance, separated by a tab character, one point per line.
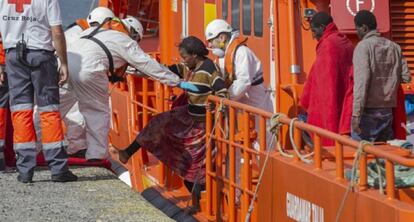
229	58
117	25
113	24
110	24
82	23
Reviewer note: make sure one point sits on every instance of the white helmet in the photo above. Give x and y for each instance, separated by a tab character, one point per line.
133	23
99	15
215	27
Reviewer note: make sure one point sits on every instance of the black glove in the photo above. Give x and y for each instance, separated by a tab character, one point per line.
114	79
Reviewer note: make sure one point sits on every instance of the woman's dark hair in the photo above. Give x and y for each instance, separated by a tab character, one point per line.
321	18
193	46
365	17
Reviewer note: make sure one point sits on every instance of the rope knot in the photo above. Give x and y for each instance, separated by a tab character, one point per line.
275	123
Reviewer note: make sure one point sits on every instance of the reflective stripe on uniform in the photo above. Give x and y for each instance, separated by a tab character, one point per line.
23	126
49	108
51	125
54	145
21	146
20	107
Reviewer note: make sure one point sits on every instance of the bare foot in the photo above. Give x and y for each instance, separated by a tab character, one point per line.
122	155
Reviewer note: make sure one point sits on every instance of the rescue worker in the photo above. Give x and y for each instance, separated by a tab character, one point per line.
379	69
4	106
331	69
242	69
28	31
74	121
93	59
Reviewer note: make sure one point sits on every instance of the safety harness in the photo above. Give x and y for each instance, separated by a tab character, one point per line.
109	24
229	60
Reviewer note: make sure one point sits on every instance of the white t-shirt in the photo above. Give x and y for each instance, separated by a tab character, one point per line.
34	20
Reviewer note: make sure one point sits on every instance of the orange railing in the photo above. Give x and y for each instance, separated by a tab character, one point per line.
230	132
220	187
146	99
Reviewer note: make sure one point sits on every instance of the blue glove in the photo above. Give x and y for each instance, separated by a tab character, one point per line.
188	86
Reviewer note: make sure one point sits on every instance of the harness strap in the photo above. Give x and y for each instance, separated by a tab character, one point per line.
107	52
102	45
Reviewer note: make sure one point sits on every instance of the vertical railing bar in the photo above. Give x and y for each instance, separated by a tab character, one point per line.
159	92
209	141
145	101
246	169
232	155
262	133
318	152
218	120
389	173
339	159
363	179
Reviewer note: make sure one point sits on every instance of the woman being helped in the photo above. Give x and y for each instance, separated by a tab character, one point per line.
177	137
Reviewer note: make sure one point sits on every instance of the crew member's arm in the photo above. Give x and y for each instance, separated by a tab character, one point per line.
242	82
137	58
58	38
59	43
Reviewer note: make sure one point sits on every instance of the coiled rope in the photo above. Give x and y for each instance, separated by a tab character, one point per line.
304	158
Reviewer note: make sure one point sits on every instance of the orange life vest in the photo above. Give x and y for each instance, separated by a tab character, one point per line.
117	25
229	59
114	24
82	23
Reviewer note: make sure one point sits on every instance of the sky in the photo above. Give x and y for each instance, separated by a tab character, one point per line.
74	9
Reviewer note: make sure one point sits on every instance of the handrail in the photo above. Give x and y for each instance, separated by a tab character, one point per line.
318	134
219	183
322	132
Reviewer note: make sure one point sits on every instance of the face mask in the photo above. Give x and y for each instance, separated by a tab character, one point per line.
218	52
